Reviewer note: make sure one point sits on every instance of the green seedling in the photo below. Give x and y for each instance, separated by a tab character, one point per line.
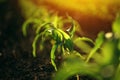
50	28
81	55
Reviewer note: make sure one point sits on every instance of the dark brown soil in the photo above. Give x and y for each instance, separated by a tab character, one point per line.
16	60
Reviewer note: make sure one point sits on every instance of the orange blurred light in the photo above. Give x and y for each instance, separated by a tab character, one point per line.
93	15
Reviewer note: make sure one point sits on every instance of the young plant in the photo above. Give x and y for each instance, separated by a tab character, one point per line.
81	56
51	29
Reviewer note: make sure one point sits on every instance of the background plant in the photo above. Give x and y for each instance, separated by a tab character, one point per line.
105	64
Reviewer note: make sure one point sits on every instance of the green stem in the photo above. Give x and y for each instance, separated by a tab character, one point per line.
77	77
52	54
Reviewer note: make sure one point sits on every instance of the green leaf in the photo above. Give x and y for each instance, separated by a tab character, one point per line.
34	44
116	26
71	30
68	44
27	22
99	41
43	25
117	74
119	45
66	36
57	36
82	43
78	67
55	21
110	52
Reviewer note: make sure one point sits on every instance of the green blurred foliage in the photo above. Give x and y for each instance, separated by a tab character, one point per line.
81	55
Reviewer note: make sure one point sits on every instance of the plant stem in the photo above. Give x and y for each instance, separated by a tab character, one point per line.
77	77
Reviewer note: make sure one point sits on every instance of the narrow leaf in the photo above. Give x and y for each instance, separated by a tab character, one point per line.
98	43
34	44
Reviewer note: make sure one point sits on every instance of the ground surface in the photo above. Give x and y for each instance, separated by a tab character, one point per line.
16	60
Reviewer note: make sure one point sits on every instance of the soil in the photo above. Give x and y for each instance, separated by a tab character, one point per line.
16	60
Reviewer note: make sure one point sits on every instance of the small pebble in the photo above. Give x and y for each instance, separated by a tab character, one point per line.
0	54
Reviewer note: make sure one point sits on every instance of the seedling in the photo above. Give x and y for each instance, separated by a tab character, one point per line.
51	28
81	55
